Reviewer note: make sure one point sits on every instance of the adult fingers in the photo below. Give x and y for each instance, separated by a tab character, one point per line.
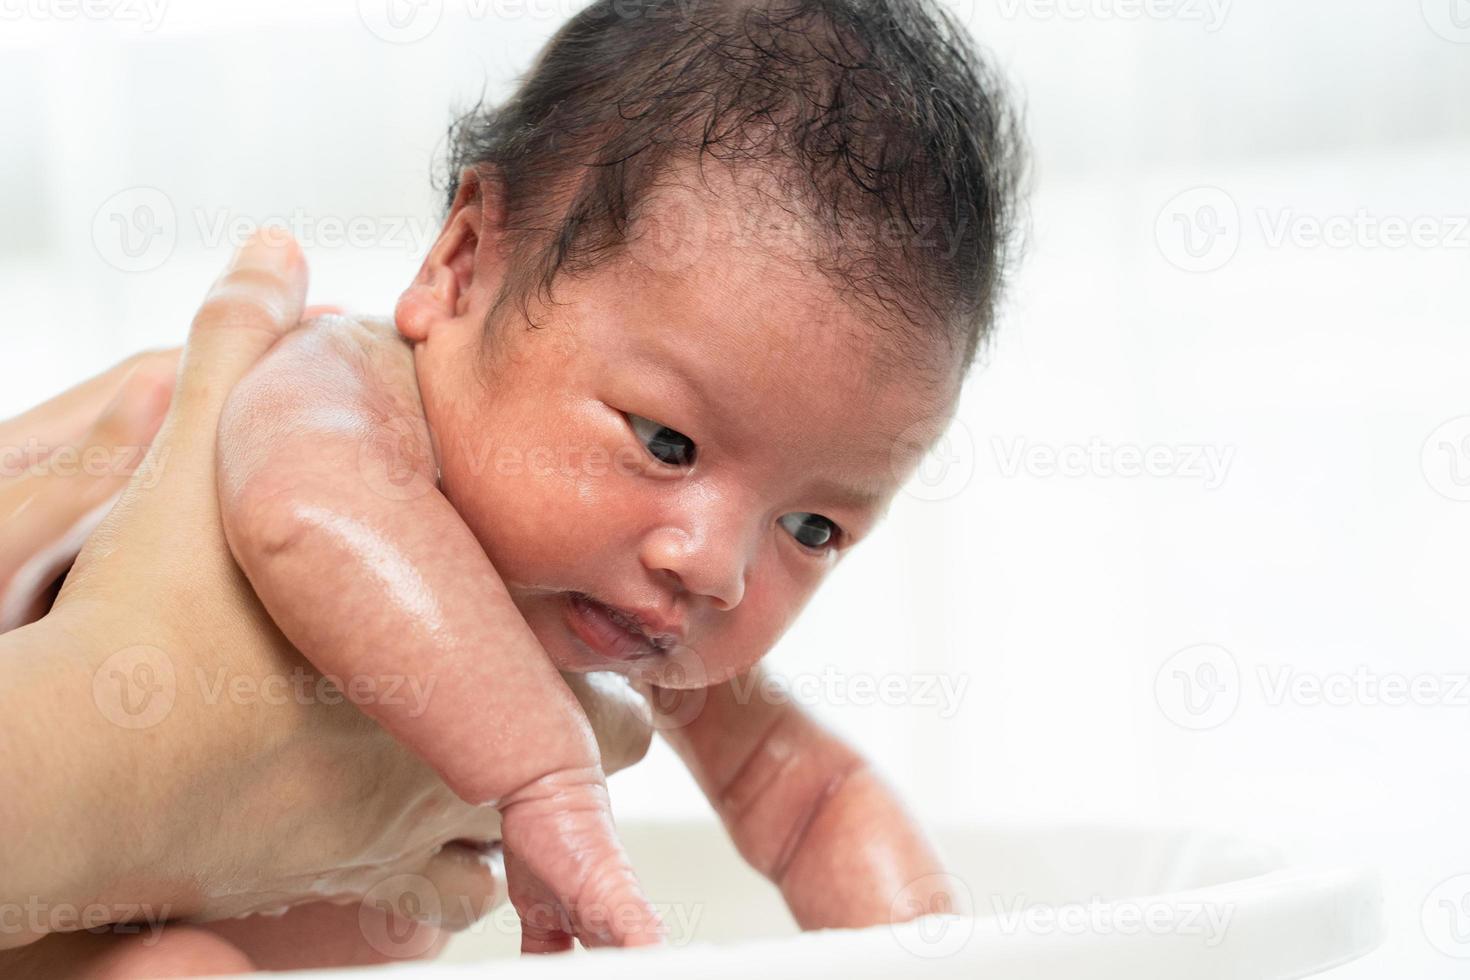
67	417
259	298
171	525
49	507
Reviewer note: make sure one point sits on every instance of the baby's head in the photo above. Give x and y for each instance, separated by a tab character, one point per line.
707	290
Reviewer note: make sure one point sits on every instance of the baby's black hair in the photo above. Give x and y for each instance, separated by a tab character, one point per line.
878	117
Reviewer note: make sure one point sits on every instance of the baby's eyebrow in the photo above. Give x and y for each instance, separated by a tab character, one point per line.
857	498
866	497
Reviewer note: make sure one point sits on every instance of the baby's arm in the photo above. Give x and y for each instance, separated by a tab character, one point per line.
806	810
329	501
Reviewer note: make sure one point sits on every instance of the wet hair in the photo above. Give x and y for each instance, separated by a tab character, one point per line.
878	119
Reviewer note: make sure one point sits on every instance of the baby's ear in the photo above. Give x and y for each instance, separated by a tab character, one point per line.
444	288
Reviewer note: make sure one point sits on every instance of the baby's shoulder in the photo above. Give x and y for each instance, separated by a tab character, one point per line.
367	341
359	357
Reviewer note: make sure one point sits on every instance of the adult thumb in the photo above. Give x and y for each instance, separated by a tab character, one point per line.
258	299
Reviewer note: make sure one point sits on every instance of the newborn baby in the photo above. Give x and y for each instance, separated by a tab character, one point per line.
707	290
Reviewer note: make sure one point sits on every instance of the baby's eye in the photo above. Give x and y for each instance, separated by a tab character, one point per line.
812	530
665	444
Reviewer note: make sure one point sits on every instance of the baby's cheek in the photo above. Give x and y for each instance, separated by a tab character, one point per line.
544	528
534	535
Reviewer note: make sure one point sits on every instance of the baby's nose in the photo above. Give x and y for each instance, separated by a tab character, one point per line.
707	559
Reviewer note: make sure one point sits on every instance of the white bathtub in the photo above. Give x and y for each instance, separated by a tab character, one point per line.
1081	903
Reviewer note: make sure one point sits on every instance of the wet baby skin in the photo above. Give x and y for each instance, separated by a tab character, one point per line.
651	478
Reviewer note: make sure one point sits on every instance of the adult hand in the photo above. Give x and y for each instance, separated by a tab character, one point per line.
61	463
179	758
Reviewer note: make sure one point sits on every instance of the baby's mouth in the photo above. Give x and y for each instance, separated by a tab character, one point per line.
610	633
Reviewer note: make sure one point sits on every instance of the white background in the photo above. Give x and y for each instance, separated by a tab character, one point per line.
1322	371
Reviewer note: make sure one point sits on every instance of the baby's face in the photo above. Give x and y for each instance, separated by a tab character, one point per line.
700	444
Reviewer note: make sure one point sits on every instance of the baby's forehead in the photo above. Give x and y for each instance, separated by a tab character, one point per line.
747	248
740	307
769	350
